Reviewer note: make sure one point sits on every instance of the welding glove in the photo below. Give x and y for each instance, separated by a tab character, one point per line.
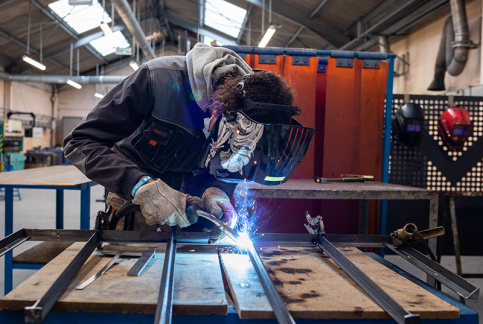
216	202
161	204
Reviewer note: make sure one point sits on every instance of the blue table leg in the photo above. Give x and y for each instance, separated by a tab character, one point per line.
85	207
8	230
59	208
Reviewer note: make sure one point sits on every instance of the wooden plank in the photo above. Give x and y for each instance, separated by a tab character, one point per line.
198	285
42	253
314	287
247	291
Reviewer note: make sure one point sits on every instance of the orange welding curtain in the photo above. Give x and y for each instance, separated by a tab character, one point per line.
288	215
352	136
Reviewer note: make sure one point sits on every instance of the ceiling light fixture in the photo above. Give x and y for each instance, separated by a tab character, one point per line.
33	62
268	35
105	28
134	65
74	84
98	95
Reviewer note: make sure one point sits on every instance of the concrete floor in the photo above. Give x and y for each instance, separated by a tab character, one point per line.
37	210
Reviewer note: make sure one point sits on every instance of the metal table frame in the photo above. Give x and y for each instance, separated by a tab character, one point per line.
364	191
85	198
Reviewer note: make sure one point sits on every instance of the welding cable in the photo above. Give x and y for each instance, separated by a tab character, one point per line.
423	241
120	213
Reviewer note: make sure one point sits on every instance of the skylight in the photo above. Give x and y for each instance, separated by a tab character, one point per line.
83	18
80	17
107	44
224	16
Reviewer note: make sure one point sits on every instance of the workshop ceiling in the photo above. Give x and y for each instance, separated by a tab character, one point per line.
170	26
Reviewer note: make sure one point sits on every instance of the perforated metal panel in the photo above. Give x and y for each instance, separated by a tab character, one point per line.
432	165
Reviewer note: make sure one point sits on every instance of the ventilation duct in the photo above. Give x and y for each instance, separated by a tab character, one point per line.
454	46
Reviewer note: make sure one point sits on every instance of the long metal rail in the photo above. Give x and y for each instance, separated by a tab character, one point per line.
327	242
392	307
38	312
279	308
164	309
451	280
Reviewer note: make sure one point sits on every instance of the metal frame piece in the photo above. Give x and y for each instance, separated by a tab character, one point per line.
164	309
141	264
451	280
279	308
12	241
38	312
392	307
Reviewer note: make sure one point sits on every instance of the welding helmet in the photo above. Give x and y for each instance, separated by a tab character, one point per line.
454	127
252	151
408	124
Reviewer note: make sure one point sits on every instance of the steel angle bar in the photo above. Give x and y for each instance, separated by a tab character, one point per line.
13	240
392	307
59	235
41	308
451	280
164	309
279	308
154	237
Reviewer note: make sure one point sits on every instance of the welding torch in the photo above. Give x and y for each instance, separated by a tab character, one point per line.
193	212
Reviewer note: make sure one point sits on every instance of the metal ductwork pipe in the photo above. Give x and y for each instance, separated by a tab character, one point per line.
454	46
127	16
61	79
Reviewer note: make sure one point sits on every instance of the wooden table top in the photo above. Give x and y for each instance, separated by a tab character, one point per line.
60	176
311	285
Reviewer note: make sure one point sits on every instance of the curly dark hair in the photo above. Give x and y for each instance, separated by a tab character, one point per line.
260	86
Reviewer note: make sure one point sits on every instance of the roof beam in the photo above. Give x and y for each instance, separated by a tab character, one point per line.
206	31
67	29
244	24
332	36
22	44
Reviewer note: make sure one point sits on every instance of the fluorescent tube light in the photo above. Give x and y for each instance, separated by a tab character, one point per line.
98	95
134	65
38	65
74	84
105	28
268	35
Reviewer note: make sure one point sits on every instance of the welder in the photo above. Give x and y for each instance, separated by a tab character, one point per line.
155	138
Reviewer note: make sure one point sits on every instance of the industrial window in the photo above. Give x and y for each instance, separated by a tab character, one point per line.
83	18
224	17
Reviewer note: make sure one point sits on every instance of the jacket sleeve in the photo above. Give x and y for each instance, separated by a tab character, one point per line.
118	114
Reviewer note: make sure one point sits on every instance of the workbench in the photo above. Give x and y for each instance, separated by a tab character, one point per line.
58	178
364	191
312	286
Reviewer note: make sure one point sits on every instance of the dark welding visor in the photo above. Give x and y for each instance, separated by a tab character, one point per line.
249	151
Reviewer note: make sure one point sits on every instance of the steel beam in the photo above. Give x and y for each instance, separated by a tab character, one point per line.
38	312
164	309
392	307
323	30
280	310
453	281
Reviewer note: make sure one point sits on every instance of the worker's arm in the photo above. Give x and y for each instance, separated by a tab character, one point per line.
117	115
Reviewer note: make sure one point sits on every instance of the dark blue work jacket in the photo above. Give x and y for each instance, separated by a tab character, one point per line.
149	124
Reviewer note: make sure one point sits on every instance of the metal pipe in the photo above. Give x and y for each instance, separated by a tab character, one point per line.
133	26
61	79
164	309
